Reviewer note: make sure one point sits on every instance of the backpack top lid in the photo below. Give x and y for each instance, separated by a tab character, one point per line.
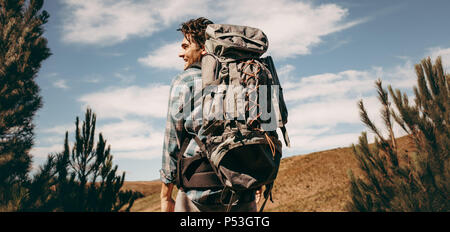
235	42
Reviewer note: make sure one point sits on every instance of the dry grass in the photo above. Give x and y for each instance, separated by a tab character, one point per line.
316	182
151	190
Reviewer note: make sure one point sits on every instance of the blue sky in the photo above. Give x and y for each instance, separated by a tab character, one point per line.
118	57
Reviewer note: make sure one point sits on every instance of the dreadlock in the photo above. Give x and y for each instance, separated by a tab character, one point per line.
196	29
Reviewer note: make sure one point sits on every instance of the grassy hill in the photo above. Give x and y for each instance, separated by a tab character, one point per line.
316	182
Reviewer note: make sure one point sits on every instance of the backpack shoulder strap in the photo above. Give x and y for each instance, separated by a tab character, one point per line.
192	172
178	179
282	116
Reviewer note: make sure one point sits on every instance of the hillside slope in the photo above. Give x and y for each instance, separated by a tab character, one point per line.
316	182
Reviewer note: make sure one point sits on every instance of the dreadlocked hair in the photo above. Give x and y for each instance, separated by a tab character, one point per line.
196	29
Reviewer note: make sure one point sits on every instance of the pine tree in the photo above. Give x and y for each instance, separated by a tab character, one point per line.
81	180
22	50
394	180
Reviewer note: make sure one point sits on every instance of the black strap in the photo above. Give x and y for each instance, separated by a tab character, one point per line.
267	195
196	171
203	180
276	81
204	153
232	198
194	164
178	179
201	145
285	136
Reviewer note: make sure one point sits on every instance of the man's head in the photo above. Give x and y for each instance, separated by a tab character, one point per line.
193	44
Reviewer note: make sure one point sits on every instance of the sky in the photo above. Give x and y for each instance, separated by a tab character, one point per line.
118	57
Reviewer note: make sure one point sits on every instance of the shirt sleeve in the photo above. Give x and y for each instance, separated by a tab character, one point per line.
174	134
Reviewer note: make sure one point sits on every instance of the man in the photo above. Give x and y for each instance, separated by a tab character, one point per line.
177	128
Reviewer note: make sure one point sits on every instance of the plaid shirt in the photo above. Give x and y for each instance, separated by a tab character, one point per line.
177	128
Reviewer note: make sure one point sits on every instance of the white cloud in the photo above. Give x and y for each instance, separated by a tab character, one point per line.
149	101
51	75
125	78
444	53
404	75
93	78
323	110
61	84
312	143
329	84
44	151
134	135
303	25
327	123
327	112
285	74
51	139
164	57
133	139
129	138
106	22
293	27
59	129
171	11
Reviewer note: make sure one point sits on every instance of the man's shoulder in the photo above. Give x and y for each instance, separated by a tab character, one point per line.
188	75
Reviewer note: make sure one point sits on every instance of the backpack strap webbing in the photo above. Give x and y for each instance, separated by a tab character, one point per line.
267	195
232	198
179	178
285	136
196	171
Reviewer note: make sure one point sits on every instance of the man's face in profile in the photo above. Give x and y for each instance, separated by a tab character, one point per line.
191	52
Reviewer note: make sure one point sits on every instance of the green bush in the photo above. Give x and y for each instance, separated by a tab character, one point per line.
82	179
420	182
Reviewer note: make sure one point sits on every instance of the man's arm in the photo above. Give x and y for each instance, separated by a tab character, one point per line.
167	203
173	136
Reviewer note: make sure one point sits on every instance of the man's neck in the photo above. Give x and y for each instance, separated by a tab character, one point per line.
194	65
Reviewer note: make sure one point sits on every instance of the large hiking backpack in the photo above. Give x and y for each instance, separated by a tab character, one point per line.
242	106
